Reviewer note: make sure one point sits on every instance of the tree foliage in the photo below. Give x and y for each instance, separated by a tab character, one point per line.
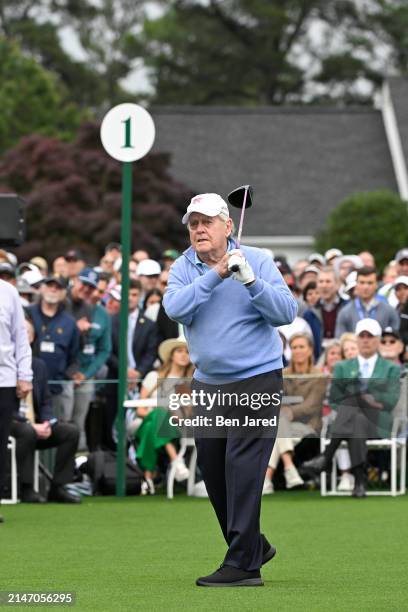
214	51
256	52
376	221
73	194
103	31
31	99
391	25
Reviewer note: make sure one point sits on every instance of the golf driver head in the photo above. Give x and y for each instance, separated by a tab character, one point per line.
236	197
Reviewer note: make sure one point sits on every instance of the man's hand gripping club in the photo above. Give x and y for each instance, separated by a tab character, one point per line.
244	274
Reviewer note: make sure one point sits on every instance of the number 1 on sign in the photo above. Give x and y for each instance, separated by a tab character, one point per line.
128	144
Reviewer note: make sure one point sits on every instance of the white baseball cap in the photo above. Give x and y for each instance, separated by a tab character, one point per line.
210	204
116	292
351	281
148	267
401	255
316	257
368	325
33	277
331	253
401	280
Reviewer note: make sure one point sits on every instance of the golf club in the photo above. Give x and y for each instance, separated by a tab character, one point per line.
242	198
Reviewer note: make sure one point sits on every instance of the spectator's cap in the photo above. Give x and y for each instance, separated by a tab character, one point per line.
331	254
74	255
116	292
60	280
12	259
313	269
25	266
401	280
4	256
89	276
401	255
209	204
148	267
170	254
355	261
389	331
113	246
316	257
23	286
7	268
368	325
166	347
351	281
40	262
33	277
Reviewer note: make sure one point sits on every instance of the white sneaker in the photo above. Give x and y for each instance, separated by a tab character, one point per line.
268	488
199	489
346	482
147	487
182	471
292	478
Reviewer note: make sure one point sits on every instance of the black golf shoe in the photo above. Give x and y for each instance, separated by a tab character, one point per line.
359	490
228	576
61	495
316	465
268	551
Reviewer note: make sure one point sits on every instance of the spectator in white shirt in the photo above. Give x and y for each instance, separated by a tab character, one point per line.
15	365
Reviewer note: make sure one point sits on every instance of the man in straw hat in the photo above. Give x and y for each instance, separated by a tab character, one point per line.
230	322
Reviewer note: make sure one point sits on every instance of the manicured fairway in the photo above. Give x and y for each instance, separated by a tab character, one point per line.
145	553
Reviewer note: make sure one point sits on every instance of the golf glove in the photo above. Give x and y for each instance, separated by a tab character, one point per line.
245	274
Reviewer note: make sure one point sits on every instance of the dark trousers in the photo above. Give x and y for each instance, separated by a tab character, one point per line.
9	403
356	426
110	410
357	448
64	436
233	469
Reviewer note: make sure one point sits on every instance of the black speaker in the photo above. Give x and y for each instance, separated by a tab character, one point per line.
12	220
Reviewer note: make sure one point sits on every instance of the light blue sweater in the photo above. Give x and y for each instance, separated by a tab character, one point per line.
229	327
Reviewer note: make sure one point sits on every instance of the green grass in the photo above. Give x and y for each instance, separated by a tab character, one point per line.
145	553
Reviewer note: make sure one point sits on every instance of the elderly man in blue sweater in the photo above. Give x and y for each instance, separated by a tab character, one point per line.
230	321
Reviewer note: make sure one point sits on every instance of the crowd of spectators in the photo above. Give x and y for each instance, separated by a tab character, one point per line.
72	310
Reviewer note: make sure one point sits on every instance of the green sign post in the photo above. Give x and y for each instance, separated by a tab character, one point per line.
127	134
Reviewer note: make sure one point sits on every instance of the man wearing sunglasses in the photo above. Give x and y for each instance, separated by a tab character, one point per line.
391	346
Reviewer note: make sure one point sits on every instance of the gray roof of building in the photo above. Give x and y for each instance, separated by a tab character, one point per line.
301	161
399	95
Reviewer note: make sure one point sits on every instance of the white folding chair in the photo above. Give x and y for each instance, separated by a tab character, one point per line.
36	486
13	499
185	443
11	446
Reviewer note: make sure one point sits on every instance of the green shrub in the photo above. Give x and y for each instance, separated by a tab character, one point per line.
375	221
